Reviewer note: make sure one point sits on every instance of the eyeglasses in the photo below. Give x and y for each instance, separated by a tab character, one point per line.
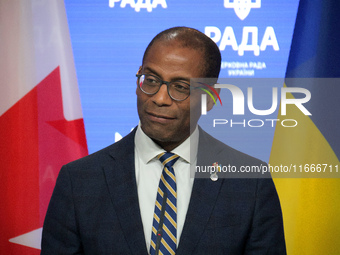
150	85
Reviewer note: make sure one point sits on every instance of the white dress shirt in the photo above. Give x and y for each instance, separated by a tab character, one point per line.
148	171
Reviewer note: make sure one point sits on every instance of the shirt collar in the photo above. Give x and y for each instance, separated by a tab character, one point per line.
148	149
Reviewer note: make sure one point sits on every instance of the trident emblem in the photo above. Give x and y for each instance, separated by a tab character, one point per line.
242	7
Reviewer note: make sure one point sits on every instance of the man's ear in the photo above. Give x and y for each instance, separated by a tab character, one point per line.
139	70
210	101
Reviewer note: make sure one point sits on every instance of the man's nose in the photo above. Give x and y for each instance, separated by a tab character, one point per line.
162	97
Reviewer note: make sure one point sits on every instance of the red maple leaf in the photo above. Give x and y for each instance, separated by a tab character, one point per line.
35	141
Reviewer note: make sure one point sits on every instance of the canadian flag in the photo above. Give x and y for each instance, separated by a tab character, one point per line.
41	124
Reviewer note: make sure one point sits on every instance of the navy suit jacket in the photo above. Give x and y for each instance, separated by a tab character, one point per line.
94	207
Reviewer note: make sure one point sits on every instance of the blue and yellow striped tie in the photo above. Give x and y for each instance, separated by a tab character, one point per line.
164	228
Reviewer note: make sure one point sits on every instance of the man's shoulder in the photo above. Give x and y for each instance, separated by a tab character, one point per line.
232	162
104	156
210	145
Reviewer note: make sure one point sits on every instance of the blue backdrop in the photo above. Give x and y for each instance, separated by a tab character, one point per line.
109	38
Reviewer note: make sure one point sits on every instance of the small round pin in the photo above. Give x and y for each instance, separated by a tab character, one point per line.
214	177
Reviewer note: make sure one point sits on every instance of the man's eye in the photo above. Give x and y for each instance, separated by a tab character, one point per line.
151	80
181	87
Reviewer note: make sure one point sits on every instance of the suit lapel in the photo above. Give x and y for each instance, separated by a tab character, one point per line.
121	181
203	198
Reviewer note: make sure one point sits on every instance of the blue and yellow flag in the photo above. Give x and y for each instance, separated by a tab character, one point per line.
311	206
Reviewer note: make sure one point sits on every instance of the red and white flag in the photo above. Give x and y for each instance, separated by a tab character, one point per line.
41	124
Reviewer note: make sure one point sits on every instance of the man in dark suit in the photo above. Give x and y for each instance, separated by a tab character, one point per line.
105	202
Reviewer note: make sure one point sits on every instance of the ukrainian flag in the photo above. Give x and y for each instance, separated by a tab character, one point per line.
311	206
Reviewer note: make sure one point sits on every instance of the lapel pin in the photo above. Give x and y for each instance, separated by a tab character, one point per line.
214	177
217	168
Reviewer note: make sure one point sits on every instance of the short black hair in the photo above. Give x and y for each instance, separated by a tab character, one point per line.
192	38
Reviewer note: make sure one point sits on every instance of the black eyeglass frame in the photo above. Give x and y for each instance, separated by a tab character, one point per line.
167	83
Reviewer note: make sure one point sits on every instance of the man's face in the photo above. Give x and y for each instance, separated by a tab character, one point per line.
163	119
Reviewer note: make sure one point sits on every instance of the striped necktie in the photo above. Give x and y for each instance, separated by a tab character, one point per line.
164	228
